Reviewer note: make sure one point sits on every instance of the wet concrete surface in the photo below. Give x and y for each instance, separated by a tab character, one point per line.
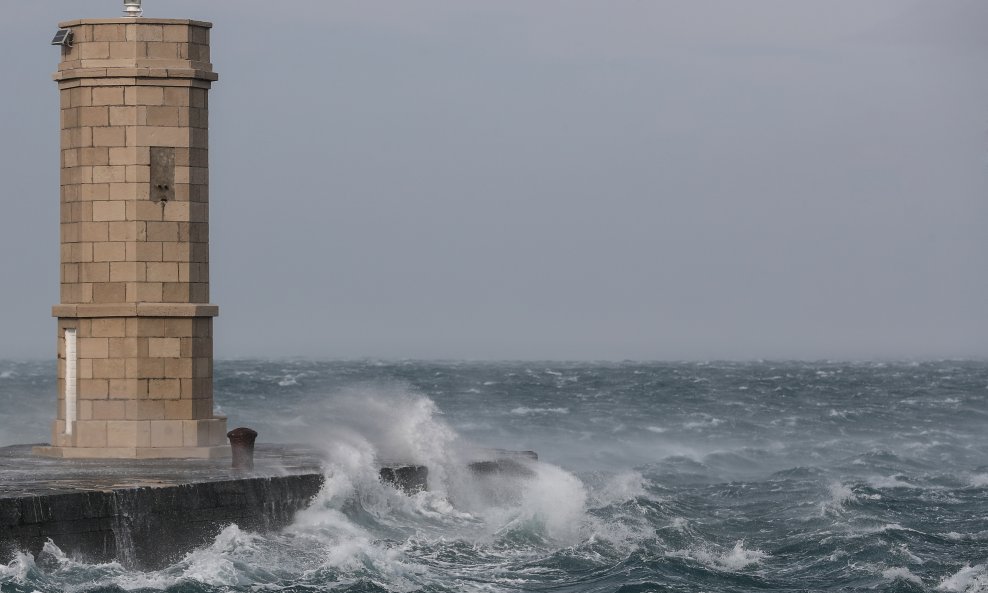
146	513
23	474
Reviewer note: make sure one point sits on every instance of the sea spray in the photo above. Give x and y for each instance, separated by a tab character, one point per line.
367	423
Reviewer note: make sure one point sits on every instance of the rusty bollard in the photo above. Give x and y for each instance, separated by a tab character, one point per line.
242	445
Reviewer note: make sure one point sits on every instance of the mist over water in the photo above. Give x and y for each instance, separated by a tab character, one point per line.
653	477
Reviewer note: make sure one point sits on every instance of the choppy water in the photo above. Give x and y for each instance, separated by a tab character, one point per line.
657	477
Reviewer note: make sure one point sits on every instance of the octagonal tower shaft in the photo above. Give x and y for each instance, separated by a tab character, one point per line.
135	353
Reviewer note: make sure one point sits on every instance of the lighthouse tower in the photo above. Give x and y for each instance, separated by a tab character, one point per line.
135	327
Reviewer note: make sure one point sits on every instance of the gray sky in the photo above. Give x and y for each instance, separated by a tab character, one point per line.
559	179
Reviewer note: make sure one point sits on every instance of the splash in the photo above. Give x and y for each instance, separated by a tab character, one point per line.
736	559
840	494
368	424
19	570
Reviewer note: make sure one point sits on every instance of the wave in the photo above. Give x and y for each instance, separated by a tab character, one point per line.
526	411
667	481
901	574
359	528
969	579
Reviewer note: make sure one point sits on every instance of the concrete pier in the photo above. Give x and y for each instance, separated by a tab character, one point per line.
146	513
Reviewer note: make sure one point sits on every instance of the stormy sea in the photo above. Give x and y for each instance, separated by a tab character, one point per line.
782	476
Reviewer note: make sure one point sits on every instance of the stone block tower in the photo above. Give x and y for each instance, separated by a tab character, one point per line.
135	362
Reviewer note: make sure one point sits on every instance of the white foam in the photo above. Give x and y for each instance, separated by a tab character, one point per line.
955	536
739	557
552	504
839	495
525	411
288	380
734	560
707	422
969	579
368	423
901	574
978	480
18	569
620	487
894	481
215	565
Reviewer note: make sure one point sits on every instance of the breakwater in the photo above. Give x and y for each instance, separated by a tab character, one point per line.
146	513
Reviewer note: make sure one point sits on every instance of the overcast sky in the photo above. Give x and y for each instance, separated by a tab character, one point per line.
559	179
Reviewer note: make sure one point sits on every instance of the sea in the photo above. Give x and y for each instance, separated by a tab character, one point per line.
684	476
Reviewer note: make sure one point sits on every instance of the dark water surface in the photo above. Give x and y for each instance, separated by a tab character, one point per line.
657	477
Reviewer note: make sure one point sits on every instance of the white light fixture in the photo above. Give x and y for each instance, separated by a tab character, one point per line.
132	8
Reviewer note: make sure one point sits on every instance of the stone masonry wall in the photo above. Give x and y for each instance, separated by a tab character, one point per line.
135	240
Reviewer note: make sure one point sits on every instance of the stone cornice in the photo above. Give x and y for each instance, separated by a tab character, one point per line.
156	73
135	310
133	21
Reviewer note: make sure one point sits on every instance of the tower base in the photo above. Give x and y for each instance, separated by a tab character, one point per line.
139	439
133	453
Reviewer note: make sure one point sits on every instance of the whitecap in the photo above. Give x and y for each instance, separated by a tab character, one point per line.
901	574
978	480
525	411
893	481
706	422
733	560
969	579
839	495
